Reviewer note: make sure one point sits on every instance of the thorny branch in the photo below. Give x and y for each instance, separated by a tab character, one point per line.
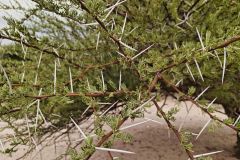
190	155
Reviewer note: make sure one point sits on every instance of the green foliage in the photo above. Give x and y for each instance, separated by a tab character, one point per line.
84	57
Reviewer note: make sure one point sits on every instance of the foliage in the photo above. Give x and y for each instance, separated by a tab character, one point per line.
79	58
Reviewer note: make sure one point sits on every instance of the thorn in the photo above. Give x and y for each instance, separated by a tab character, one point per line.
235	123
79	129
113	150
8	81
211	102
111	9
201	93
124	25
34	142
89	88
103	82
199	70
40	60
55	78
23	75
98	37
141	106
31	104
177	84
127	46
71	82
121	54
115	5
218	59
189	70
142	52
2	146
120	80
55	50
36	78
153	120
224	64
203	128
132	30
200	39
28	128
109	108
206	154
85	110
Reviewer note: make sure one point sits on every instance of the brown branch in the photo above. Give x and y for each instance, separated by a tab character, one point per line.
90	94
225	43
186	97
82	74
108	135
189	153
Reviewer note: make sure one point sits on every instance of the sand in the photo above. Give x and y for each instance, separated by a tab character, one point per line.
154	141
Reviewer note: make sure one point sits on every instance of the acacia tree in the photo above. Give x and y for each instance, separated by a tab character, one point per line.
108	59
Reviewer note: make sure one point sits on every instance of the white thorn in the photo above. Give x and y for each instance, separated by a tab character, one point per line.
200	39
103	82
201	93
120	80
141	106
34	142
133	125
36	78
235	123
32	104
124	25
40	60
55	78
177	84
113	150
23	75
88	84
23	49
8	81
98	37
127	46
224	64
108	109
206	154
85	110
111	9
142	52
153	120
79	129
120	54
71	82
189	70
55	50
2	146
199	70
218	59
211	102
203	128
115	5
28	128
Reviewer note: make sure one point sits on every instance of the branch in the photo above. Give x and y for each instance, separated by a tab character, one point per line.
37	48
84	7
190	155
186	97
225	43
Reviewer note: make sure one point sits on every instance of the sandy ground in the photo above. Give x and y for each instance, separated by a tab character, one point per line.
153	141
